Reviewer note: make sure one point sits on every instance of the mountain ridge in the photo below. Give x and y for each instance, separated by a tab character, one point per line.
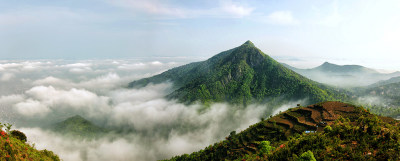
326	66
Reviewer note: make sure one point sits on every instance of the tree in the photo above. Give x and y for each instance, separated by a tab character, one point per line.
307	156
265	147
19	135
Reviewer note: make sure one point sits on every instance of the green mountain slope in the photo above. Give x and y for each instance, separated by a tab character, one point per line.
386	82
78	127
329	130
343	75
241	75
382	98
13	146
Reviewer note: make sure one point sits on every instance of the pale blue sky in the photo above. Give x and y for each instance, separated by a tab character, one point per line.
362	32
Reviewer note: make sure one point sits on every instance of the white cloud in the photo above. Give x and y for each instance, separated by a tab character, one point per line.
236	9
10	65
45	99
7	76
52	81
80	70
137	96
142	110
32	108
282	18
77	65
106	82
156	63
11	99
334	18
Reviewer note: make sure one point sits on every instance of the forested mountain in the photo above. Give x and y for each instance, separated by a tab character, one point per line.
324	131
343	75
78	127
241	75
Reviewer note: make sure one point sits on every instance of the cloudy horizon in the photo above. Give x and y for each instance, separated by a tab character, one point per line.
338	31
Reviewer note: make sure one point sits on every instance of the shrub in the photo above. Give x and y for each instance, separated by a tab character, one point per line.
50	154
19	135
307	156
265	147
328	129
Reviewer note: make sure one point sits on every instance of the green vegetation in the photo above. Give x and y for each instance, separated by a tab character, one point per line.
19	135
266	148
351	134
78	127
242	75
307	156
367	138
386	82
381	99
13	147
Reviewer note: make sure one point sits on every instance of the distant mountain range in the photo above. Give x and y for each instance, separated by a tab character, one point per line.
241	75
343	75
324	131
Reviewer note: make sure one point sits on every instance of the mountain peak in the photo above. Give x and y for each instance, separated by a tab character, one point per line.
76	117
248	43
327	63
78	126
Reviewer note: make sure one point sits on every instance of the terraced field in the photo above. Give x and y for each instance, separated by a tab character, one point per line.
311	118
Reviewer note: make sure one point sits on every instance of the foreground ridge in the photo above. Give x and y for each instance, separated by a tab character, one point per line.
327	131
13	146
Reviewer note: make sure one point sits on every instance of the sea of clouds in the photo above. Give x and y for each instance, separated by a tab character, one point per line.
37	94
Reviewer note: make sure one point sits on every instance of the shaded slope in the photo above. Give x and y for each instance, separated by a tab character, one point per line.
290	125
240	76
77	126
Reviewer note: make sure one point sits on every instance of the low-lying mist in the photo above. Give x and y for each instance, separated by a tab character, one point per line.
144	125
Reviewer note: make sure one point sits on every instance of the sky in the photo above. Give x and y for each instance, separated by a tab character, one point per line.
302	33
